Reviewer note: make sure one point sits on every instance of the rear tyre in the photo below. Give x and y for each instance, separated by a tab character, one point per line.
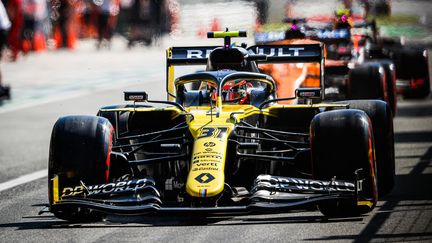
367	81
382	123
412	65
79	152
342	143
390	78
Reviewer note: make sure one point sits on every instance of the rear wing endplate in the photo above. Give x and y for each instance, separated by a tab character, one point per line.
177	56
190	55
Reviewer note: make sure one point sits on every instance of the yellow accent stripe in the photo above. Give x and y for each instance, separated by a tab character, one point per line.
169	52
365	203
56	194
219	101
222	34
171	82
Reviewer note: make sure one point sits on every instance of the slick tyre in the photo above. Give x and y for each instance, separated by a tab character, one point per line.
367	81
342	144
390	78
80	150
382	122
412	65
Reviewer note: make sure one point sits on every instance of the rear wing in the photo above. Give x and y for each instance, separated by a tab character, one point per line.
323	35
288	53
283	53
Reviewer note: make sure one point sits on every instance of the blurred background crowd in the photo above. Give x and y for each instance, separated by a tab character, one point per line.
37	25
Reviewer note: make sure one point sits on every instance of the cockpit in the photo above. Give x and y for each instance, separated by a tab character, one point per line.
231	87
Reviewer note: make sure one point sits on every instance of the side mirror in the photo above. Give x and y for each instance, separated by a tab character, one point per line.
135	96
308	93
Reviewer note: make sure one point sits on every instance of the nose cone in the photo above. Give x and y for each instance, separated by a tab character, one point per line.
206	184
206	177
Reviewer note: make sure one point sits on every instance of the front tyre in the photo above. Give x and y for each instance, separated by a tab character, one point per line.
382	122
342	143
80	151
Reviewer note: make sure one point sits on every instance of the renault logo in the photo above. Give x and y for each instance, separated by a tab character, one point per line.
204	178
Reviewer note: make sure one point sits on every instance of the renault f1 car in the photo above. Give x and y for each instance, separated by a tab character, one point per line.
224	146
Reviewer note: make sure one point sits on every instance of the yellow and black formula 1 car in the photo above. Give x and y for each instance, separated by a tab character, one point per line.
223	143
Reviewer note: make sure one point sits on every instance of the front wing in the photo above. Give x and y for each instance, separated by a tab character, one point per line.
270	194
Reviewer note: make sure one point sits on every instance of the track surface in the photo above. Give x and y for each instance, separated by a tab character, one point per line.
96	79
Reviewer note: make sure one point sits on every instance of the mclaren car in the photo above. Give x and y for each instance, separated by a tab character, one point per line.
223	142
356	66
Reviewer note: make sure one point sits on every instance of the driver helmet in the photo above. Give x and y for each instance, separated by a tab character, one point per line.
342	20
235	91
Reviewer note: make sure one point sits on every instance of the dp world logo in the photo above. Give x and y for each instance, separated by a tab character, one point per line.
204	178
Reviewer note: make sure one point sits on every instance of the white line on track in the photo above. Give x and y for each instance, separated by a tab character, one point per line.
60	94
23	179
59	97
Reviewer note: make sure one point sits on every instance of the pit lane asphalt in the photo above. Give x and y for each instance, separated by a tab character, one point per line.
404	215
